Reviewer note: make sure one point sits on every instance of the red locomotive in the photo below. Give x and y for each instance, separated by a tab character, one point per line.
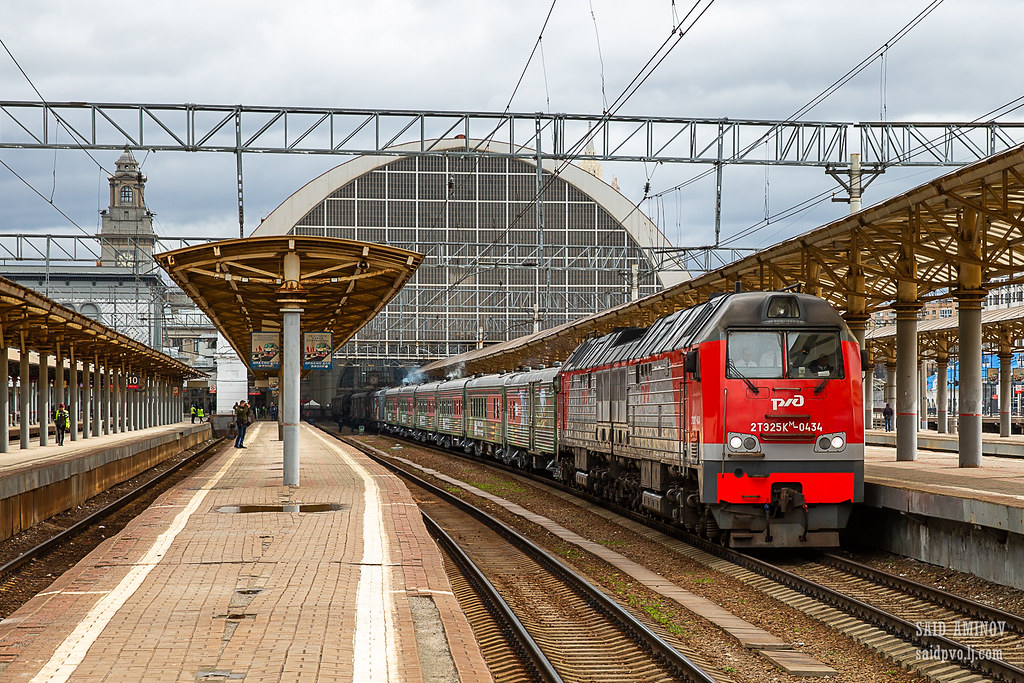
740	418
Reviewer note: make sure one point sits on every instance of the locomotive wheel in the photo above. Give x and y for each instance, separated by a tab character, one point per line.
711	529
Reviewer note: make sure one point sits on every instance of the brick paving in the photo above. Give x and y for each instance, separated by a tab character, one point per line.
187	592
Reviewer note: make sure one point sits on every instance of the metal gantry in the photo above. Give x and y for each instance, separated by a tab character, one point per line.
311	130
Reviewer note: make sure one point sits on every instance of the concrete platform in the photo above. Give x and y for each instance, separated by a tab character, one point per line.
232	576
41	481
970	519
928	439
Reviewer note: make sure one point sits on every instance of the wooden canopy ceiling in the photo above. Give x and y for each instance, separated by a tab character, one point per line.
30	321
240	284
919	242
1002	330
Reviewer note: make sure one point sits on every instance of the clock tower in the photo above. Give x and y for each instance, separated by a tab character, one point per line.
126	234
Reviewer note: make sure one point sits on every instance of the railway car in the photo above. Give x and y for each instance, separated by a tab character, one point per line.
531	434
425	411
451	421
740	417
485	400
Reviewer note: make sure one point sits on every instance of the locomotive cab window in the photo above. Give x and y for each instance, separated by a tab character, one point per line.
754	355
814	354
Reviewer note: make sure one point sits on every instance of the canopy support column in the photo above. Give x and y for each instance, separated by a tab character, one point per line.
942	394
24	414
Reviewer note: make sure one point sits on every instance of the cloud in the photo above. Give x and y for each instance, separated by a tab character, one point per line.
744	59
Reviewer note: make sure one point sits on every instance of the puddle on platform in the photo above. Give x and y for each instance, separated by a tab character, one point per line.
296	507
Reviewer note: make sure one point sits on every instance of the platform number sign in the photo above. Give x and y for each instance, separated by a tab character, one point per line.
133	382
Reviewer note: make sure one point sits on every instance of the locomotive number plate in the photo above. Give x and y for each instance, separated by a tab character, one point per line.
790	427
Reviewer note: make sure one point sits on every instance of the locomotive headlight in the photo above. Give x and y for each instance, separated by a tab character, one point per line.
830	443
739	442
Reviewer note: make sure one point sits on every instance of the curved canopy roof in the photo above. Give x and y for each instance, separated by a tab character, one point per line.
31	321
241	284
922	238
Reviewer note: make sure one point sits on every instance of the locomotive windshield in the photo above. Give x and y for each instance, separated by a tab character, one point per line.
759	355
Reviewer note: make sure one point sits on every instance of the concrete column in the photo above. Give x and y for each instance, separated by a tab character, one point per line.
129	398
889	392
86	399
43	400
922	396
122	401
58	378
97	392
5	409
147	402
942	394
1005	397
290	393
869	394
74	397
26	399
970	397
280	407
906	383
105	401
116	408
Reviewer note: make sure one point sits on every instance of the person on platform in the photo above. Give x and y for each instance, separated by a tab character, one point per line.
887	412
243	414
200	413
60	420
192	411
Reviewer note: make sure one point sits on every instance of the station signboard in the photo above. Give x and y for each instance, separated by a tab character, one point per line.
133	382
317	348
265	351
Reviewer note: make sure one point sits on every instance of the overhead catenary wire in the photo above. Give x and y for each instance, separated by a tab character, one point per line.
679	31
827	92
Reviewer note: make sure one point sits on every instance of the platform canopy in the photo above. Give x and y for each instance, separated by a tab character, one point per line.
30	321
1002	329
962	233
242	284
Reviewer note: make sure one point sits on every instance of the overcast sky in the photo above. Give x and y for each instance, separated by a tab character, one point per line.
743	59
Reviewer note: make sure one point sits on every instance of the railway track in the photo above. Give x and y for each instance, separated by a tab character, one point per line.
575	631
31	567
958	633
941	621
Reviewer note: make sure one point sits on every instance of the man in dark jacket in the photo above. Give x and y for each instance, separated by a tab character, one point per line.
887	412
242	416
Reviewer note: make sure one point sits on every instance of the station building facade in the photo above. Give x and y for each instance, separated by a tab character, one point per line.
496	267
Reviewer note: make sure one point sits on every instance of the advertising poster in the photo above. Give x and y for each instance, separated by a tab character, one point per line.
265	351
317	350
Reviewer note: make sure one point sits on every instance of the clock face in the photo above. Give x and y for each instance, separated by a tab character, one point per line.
126	259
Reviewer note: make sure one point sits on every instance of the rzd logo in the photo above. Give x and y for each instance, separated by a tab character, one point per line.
795	401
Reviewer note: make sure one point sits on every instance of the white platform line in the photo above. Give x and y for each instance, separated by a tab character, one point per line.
376	657
72	651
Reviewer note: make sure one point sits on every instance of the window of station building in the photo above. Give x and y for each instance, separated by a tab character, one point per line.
945	312
127	195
